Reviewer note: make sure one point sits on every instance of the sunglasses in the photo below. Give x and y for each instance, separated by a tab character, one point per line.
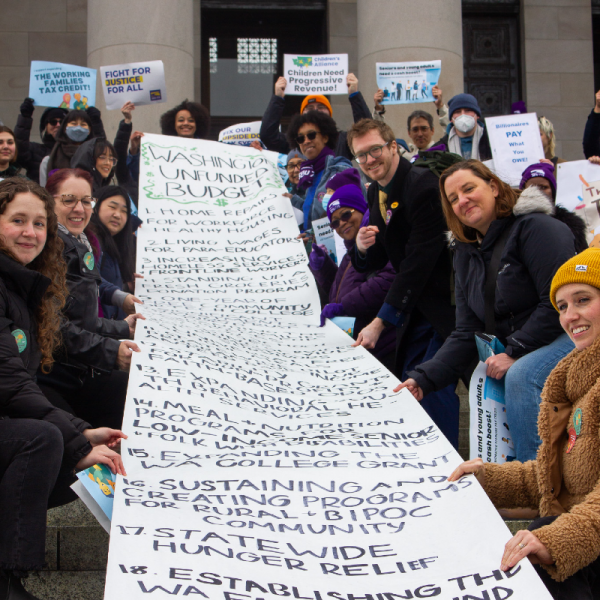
54	122
344	218
311	135
70	201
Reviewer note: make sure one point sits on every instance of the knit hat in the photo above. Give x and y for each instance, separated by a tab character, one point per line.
463	101
316	98
350	196
582	268
295	153
518	108
347	177
540	170
52	113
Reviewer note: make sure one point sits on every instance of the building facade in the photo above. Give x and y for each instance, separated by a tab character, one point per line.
228	53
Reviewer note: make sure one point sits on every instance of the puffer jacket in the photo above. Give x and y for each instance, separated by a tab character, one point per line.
21	291
558	483
537	246
361	294
90	342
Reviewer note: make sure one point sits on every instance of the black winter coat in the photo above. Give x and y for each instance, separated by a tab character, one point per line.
89	341
274	140
591	135
414	242
84	159
30	154
21	291
537	246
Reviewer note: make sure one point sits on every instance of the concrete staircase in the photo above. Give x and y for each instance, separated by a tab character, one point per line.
77	547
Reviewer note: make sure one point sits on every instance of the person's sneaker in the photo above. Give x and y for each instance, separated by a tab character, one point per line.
11	587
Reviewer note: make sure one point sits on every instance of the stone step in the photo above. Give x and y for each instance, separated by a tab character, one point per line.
67	585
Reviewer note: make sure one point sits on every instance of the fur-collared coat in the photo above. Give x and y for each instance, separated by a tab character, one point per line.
557	482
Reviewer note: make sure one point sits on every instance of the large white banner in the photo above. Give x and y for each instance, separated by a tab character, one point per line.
267	458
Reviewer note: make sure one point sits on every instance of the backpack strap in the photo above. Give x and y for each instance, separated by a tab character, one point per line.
491	277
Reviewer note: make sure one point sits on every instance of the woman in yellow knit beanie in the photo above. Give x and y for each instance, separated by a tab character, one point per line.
563	483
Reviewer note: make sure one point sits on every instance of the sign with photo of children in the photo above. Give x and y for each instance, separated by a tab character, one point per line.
408	82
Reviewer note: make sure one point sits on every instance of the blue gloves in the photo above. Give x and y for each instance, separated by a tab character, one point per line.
317	257
330	311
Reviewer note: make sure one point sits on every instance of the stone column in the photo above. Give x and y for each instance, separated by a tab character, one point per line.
140	30
409	30
559	68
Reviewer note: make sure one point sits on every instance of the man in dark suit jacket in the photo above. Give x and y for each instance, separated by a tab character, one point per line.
407	228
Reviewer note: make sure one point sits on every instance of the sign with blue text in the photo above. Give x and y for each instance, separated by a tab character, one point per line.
141	83
61	85
516	144
408	82
317	74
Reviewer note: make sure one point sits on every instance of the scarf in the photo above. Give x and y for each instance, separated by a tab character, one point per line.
81	238
61	155
454	142
312	166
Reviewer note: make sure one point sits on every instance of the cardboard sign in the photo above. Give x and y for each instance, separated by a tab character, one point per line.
141	83
516	144
317	74
61	85
408	82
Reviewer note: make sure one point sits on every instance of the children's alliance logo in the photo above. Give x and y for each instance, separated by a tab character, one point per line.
303	61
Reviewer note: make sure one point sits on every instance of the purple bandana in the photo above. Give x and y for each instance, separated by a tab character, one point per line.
312	166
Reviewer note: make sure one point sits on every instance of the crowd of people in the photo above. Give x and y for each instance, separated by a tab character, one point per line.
438	249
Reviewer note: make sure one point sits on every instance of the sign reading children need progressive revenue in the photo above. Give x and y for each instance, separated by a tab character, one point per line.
317	74
65	86
141	83
267	458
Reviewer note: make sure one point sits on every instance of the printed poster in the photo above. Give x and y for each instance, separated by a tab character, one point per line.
578	189
516	144
408	82
60	85
324	236
318	74
141	83
96	488
490	438
241	134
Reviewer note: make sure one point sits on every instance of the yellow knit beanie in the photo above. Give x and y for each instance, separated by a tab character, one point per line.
582	268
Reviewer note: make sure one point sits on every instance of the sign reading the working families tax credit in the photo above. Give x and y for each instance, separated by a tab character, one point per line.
140	83
317	74
65	86
408	82
516	144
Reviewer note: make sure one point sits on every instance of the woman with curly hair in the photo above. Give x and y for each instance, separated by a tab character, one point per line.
315	134
40	445
188	119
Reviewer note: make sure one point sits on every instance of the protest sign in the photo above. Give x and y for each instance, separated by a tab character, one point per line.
578	189
141	83
324	237
490	438
241	134
317	74
63	86
516	144
408	82
267	457
96	488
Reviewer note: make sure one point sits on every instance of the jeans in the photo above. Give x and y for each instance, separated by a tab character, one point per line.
31	453
524	382
583	585
419	344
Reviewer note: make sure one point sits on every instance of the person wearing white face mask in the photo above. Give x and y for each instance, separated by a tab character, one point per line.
466	134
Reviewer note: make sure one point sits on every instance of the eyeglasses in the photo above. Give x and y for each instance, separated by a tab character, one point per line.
109	159
55	122
294	167
311	135
374	152
424	129
70	201
344	217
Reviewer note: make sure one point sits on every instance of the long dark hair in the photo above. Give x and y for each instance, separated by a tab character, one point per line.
198	111
49	263
120	247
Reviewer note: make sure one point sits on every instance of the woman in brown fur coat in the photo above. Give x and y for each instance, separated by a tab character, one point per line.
564	480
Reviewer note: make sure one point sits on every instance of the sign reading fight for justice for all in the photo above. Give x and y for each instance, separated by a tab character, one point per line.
317	74
60	85
141	83
516	144
267	458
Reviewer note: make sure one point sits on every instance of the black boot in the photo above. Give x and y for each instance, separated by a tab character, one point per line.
11	588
